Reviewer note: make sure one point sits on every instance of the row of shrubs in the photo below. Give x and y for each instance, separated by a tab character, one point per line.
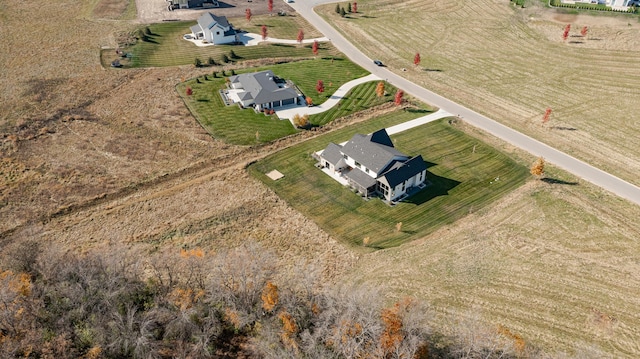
224	59
586	6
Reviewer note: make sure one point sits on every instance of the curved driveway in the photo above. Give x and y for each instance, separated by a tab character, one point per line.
577	167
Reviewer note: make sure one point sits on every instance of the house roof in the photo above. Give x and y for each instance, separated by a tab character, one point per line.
263	88
196	29
401	171
374	151
209	20
332	153
362	179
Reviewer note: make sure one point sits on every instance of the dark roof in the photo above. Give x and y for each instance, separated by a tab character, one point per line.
362	179
381	137
263	88
332	153
401	171
372	154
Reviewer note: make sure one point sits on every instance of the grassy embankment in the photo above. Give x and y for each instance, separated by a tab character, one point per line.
465	174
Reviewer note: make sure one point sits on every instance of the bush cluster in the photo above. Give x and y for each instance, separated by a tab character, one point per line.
193	304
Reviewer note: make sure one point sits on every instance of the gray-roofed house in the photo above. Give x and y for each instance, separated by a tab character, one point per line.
263	90
214	29
372	165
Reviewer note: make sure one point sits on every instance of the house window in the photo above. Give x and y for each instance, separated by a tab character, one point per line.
357	164
366	170
402	189
345	157
217	32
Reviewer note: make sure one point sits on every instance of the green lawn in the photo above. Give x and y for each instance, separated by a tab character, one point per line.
465	174
166	47
239	126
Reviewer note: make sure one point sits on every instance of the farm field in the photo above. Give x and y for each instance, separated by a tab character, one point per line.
465	175
511	64
555	264
92	158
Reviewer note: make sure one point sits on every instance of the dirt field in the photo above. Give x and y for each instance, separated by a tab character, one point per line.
90	157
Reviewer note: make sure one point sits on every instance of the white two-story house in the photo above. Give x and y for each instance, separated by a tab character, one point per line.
214	29
372	165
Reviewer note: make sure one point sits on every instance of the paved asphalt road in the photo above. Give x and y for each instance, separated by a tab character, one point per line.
579	168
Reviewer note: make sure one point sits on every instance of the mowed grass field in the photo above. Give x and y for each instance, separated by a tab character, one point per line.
465	174
166	46
555	264
246	127
511	64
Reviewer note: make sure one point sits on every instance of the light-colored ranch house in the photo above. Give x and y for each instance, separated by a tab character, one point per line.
262	90
189	4
372	166
214	29
611	3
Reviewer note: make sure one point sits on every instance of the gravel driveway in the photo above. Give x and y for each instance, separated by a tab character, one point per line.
150	11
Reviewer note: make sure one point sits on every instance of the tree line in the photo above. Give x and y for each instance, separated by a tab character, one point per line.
192	304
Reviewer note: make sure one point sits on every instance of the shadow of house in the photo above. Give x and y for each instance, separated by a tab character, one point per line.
438	186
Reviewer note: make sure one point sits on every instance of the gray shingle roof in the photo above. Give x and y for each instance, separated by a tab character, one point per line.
263	88
370	152
361	178
399	171
332	153
209	20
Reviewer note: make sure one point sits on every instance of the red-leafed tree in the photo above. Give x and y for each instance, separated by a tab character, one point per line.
189	91
565	35
547	113
584	30
263	29
320	86
314	48
300	35
354	8
247	14
270	5
416	59
398	99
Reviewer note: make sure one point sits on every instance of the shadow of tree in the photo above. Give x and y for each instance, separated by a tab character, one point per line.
557	181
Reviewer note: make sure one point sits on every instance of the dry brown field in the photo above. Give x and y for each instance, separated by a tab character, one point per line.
93	157
511	64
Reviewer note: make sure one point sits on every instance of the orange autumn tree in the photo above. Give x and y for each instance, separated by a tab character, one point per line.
289	330
269	296
537	169
314	47
247	14
16	319
584	30
380	89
